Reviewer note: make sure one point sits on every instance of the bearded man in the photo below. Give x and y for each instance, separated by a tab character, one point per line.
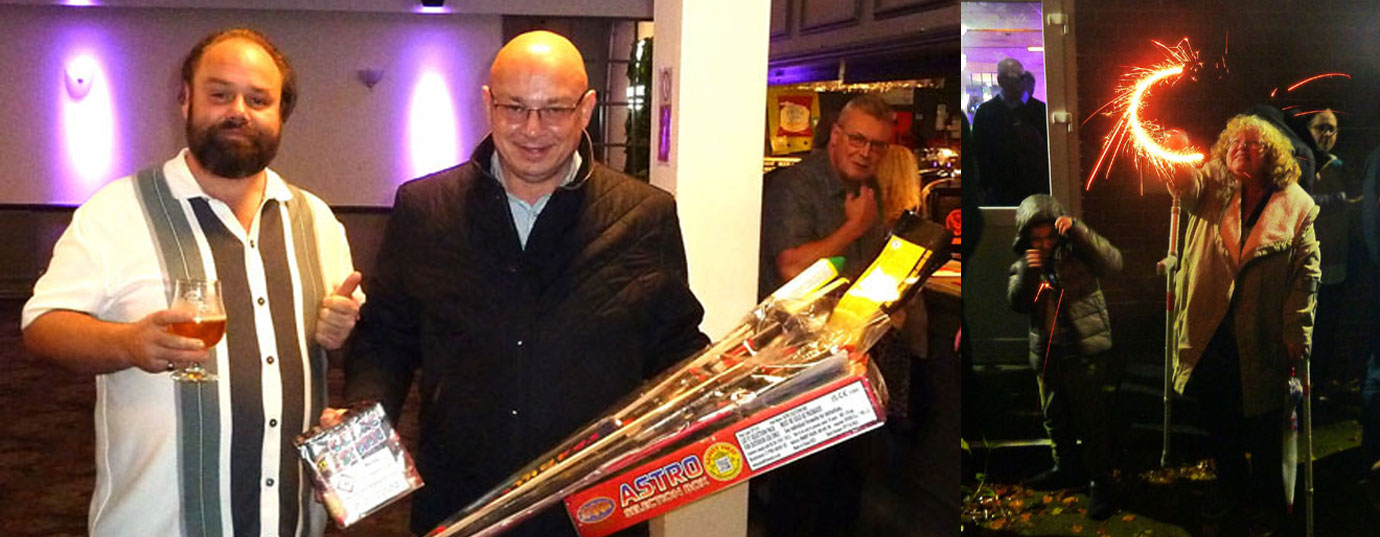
212	458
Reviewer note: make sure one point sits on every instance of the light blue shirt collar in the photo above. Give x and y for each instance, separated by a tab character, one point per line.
525	214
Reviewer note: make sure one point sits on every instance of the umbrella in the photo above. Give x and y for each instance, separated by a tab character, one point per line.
1299	401
1293	401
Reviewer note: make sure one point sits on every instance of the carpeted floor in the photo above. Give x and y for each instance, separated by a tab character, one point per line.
47	468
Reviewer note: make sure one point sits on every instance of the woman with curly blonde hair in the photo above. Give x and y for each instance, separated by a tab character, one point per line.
1248	285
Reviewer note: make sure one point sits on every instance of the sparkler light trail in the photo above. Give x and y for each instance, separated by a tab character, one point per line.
1300	83
1312	78
1143	139
1045	286
1146	137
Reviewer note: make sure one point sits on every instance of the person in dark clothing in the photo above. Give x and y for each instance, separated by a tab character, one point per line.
973	226
972	194
1370	389
1056	281
531	287
1011	140
1304	149
1333	229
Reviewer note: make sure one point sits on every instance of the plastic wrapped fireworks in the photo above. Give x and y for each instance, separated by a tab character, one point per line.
811	334
359	465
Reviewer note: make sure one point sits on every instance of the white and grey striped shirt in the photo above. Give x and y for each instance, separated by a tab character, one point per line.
217	458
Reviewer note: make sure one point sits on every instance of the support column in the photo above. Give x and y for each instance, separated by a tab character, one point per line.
710	69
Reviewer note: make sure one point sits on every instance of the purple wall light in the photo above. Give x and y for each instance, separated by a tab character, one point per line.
433	142
88	127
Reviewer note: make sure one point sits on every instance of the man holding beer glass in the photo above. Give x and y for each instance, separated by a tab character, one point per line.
213	455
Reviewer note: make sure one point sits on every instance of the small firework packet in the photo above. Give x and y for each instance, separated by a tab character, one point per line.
358	466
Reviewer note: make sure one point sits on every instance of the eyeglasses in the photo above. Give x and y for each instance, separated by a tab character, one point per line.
1252	145
858	141
546	115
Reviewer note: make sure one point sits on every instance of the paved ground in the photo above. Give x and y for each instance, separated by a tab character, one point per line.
1159	502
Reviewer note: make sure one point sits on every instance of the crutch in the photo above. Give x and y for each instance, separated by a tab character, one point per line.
1169	266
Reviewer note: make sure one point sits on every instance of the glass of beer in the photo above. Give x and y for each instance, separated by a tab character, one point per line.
201	298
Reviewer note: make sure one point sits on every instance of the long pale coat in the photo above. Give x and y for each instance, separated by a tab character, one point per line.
1272	278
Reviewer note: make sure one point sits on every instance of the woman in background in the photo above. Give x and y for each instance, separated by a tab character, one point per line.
898	176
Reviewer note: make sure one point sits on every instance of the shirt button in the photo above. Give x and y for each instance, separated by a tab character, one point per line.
269	482
269	360
251	244
272	423
261	301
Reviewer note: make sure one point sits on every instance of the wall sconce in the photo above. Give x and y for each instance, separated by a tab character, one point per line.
369	77
81	74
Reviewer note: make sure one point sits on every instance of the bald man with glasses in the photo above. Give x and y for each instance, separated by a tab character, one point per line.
531	287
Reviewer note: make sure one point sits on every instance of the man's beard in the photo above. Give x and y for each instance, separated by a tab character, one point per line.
231	158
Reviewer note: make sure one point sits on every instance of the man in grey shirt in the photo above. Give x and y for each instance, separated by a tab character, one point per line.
826	205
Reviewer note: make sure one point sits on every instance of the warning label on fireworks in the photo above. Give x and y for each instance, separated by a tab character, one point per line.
806	426
818	419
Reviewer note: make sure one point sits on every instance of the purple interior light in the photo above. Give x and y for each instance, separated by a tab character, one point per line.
663	148
88	128
796	74
433	142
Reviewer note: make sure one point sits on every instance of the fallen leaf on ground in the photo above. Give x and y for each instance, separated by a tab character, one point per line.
1077	528
1128	518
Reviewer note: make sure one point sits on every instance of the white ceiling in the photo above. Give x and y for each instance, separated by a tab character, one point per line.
641	9
1001	24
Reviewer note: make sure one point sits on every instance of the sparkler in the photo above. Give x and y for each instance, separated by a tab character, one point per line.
1146	137
1045	286
1146	150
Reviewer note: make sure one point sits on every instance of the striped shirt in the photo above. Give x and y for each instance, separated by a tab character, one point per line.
181	459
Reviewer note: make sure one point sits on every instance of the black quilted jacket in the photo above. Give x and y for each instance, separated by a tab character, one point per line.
517	348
